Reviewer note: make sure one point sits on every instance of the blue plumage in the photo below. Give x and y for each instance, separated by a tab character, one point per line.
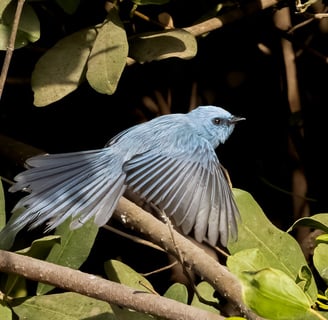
169	161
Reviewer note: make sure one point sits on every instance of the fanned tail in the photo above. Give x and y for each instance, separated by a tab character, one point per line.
78	185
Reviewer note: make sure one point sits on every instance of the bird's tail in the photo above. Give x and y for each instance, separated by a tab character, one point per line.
78	185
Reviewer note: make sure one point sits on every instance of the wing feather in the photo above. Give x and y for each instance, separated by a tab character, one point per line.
76	184
189	185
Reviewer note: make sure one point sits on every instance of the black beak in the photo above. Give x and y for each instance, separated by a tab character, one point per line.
235	119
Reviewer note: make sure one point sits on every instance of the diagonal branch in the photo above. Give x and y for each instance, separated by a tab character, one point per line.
92	286
235	14
194	257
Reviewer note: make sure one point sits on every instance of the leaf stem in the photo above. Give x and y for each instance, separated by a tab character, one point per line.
317	314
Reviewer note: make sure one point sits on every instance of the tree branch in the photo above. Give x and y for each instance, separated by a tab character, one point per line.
194	257
93	286
238	12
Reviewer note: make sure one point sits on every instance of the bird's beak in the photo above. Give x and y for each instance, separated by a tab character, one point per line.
235	119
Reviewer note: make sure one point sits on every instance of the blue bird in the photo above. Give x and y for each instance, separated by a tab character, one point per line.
169	161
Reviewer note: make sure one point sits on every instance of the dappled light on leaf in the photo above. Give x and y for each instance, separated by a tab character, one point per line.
162	45
108	55
55	75
28	29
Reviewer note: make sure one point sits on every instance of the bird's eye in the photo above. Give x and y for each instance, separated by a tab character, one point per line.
217	120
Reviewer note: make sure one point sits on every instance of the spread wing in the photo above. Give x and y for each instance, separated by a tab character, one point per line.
81	185
188	184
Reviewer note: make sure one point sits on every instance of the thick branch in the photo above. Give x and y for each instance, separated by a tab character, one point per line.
194	257
238	12
92	286
16	152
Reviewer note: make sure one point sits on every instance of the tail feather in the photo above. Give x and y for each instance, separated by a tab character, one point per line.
46	170
81	184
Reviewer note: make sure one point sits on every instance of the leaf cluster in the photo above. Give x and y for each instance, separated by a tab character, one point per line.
277	282
98	53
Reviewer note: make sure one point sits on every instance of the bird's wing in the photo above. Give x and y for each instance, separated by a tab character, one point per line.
80	184
189	185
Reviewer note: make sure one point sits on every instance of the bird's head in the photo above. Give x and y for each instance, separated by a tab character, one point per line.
213	123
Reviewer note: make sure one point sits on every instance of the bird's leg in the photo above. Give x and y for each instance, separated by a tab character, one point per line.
180	259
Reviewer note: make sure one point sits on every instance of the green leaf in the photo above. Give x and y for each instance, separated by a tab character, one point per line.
5	31
74	248
15	286
3	6
247	260
206	292
69	6
2	207
274	295
177	291
317	221
64	306
7	243
40	248
304	278
5	311
62	68
28	28
119	272
323	238
108	55
320	260
146	47
278	248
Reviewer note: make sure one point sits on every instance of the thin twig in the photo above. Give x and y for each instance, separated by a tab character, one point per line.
11	45
133	238
10	182
146	18
160	269
182	263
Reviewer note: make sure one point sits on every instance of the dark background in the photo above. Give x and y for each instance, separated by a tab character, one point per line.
229	68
